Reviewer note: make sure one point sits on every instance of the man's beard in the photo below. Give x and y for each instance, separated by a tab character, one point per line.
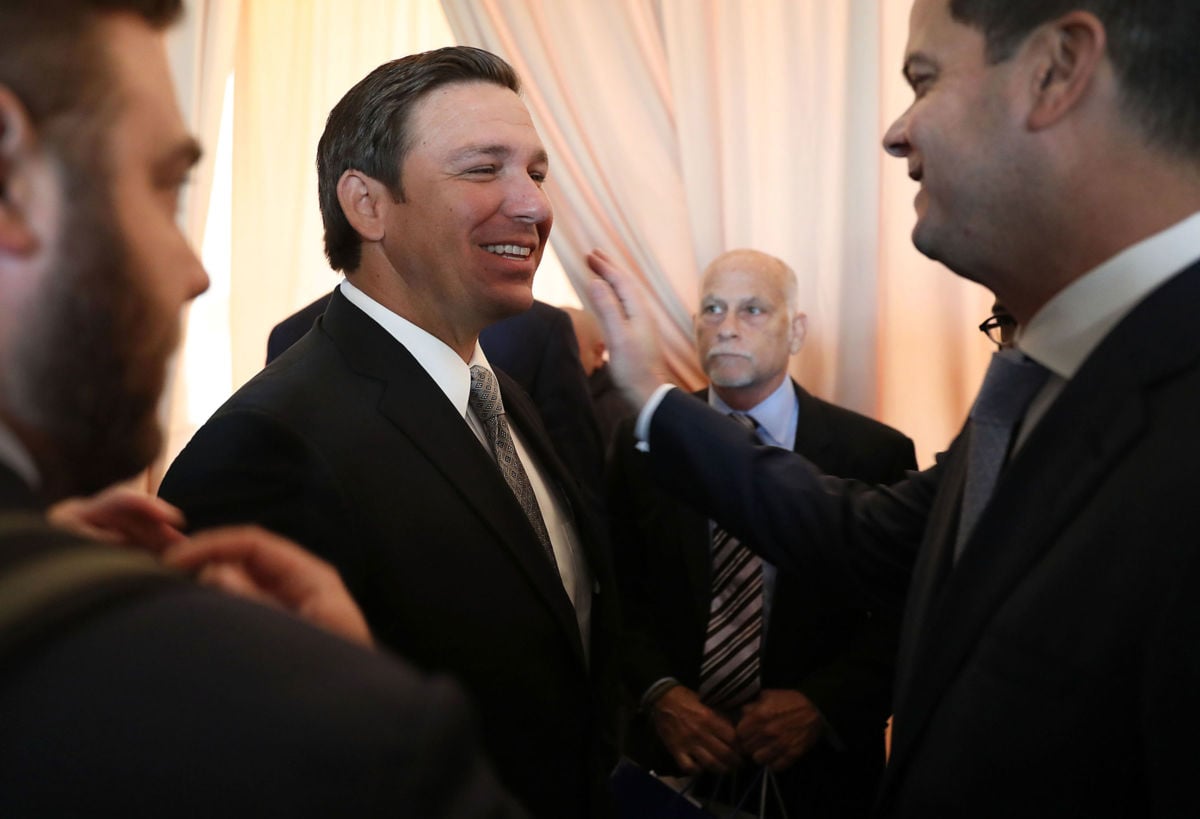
89	366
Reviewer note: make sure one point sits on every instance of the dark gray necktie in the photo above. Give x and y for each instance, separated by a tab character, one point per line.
486	403
1011	382
729	669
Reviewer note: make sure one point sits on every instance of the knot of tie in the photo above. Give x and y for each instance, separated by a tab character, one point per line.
485	394
745	420
1011	382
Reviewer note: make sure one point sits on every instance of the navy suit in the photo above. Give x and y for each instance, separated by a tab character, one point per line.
345	444
839	654
173	700
1054	670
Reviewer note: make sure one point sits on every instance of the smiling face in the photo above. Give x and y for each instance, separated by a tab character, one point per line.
747	326
960	137
474	220
89	365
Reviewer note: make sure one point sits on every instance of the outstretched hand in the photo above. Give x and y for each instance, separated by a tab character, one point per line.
249	561
633	355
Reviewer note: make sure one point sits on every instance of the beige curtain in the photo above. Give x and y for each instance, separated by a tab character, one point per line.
682	128
200	50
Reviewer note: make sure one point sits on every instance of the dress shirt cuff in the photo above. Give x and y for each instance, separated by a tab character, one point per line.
655	691
641	429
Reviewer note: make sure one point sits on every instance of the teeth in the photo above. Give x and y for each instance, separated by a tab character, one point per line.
508	250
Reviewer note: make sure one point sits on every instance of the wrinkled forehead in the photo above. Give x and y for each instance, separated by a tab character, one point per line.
474	112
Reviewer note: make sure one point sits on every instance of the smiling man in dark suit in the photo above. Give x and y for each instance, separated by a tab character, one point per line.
380	441
822	689
1049	658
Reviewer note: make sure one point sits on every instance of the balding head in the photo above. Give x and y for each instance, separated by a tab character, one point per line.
590	337
748	325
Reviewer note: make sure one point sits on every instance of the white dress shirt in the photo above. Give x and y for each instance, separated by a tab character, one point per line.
1071	325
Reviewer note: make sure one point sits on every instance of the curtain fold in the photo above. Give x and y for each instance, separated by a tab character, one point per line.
679	129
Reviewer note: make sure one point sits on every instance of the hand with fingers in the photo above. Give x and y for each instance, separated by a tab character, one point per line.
122	516
251	562
699	739
633	354
778	728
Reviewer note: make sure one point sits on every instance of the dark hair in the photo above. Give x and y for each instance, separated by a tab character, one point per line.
367	130
52	57
1152	45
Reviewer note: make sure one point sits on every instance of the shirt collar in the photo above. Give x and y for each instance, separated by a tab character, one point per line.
1072	324
776	414
449	372
16	457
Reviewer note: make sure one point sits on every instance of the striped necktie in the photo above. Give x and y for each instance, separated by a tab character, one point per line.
729	670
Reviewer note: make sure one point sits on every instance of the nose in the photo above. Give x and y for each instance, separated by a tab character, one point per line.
727	326
527	201
197	276
895	141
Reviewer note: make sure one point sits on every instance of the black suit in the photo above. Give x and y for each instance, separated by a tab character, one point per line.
539	350
840	656
178	701
347	445
1054	670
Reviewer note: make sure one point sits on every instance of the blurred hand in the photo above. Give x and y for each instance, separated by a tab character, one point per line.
633	356
120	515
698	737
251	562
778	728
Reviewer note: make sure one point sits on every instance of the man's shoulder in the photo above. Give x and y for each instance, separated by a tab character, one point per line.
845	420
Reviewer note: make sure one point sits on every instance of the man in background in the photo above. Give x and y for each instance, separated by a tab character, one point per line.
608	404
805	687
128	691
384	442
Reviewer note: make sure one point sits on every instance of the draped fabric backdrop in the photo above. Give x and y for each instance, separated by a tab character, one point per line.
677	129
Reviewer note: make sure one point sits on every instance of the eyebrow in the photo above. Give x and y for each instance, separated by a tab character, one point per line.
497	151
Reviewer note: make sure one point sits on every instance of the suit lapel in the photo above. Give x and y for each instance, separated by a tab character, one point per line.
1098	416
813	439
417	407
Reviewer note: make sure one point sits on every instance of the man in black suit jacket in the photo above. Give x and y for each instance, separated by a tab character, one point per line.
538	349
361	441
1049	659
127	691
826	667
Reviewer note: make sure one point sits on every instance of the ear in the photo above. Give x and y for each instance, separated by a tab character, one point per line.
364	200
17	140
1067	53
799	332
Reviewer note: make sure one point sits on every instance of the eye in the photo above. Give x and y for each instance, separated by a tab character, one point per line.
538	176
482	170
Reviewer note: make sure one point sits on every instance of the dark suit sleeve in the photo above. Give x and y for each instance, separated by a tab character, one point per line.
644	662
861	539
189	703
244	466
854	690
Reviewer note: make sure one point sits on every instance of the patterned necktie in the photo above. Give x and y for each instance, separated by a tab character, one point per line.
1011	382
729	671
485	401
